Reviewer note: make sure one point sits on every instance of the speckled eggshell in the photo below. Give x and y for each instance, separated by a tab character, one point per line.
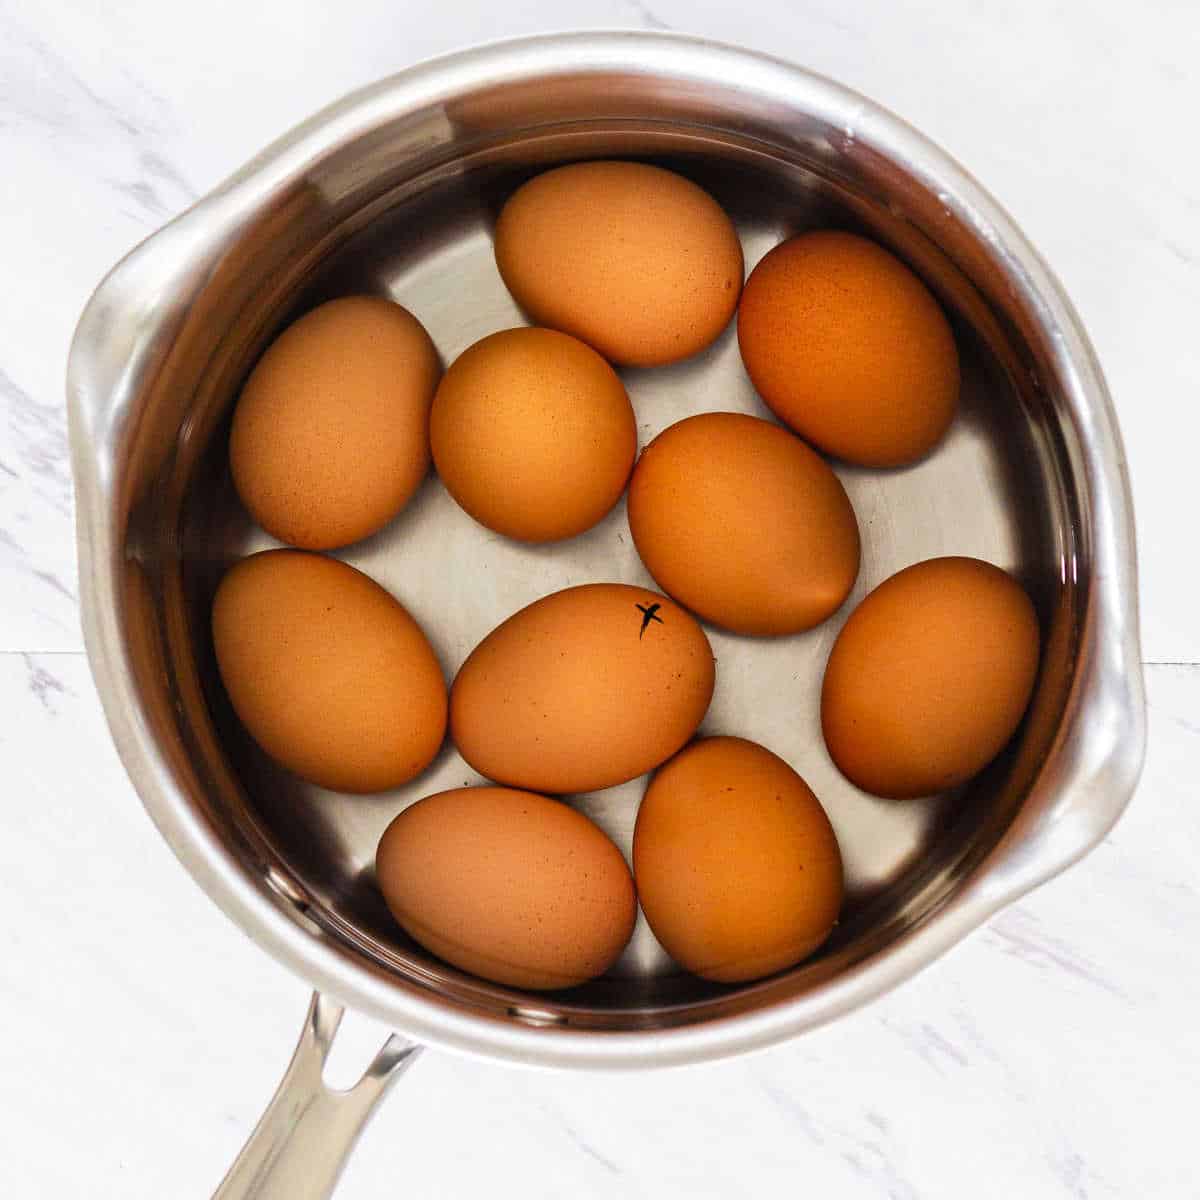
849	348
330	434
512	886
583	689
327	671
639	262
738	869
929	677
533	434
744	524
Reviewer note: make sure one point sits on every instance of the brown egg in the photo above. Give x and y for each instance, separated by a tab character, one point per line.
533	434
509	885
331	432
743	523
849	348
327	671
583	689
639	262
929	677
737	866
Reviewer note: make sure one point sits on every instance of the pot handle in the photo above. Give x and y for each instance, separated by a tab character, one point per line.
299	1147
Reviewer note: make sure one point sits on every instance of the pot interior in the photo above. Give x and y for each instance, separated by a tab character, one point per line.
407	211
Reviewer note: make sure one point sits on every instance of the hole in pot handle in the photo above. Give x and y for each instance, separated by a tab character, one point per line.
299	1147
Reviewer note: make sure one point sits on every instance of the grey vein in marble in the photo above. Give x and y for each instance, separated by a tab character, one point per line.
583	1144
39	437
865	1154
807	1124
1018	932
646	15
47	687
931	1046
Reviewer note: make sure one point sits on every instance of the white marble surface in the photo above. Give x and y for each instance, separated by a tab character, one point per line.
1055	1054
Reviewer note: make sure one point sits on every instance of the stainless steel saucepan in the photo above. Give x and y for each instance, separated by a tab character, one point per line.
395	190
